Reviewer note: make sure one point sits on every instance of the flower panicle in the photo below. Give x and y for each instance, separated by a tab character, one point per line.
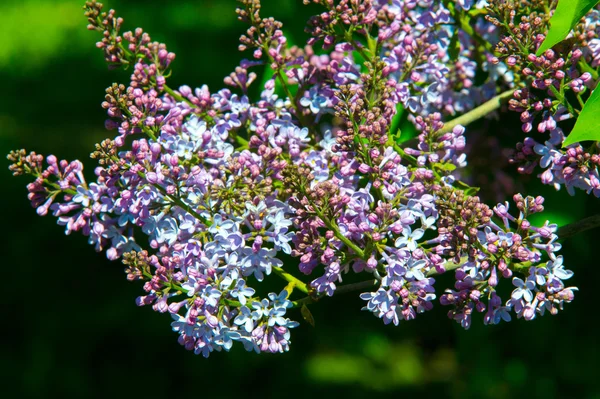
316	172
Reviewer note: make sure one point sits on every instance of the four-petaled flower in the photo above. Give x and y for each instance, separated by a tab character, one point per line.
409	238
523	289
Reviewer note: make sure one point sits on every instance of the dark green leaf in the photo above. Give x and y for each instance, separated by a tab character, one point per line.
307	315
587	126
566	16
407	131
268	74
472	191
359	60
445	166
454	47
396	120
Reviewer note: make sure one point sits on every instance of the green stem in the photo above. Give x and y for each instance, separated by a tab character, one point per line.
343	289
409	158
179	202
69	191
560	96
569	230
171	285
359	48
176	200
149	133
243	143
304	301
177	96
448	267
230	302
168	284
299	284
283	83
288	93
580	100
336	231
479	112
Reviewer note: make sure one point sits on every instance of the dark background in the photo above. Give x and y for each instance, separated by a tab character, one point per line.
70	327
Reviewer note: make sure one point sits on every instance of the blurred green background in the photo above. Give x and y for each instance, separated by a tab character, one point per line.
70	326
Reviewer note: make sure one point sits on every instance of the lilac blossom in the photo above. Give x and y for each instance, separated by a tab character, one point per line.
225	187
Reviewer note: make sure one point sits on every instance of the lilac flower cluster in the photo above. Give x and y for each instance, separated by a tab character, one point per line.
554	86
418	38
491	249
223	188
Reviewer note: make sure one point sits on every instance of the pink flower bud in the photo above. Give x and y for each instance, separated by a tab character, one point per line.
364	168
586	77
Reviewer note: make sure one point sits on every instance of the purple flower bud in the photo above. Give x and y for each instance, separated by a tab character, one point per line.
372	263
364	168
155	148
493	280
547	177
175	306
529	312
586	77
480	306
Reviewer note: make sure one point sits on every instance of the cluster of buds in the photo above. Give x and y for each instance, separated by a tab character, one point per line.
554	88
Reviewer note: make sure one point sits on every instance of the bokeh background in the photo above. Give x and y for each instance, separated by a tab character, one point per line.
70	327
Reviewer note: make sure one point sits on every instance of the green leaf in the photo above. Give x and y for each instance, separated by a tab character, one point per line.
307	315
454	47
587	126
566	16
396	120
445	166
407	131
267	75
359	60
471	191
